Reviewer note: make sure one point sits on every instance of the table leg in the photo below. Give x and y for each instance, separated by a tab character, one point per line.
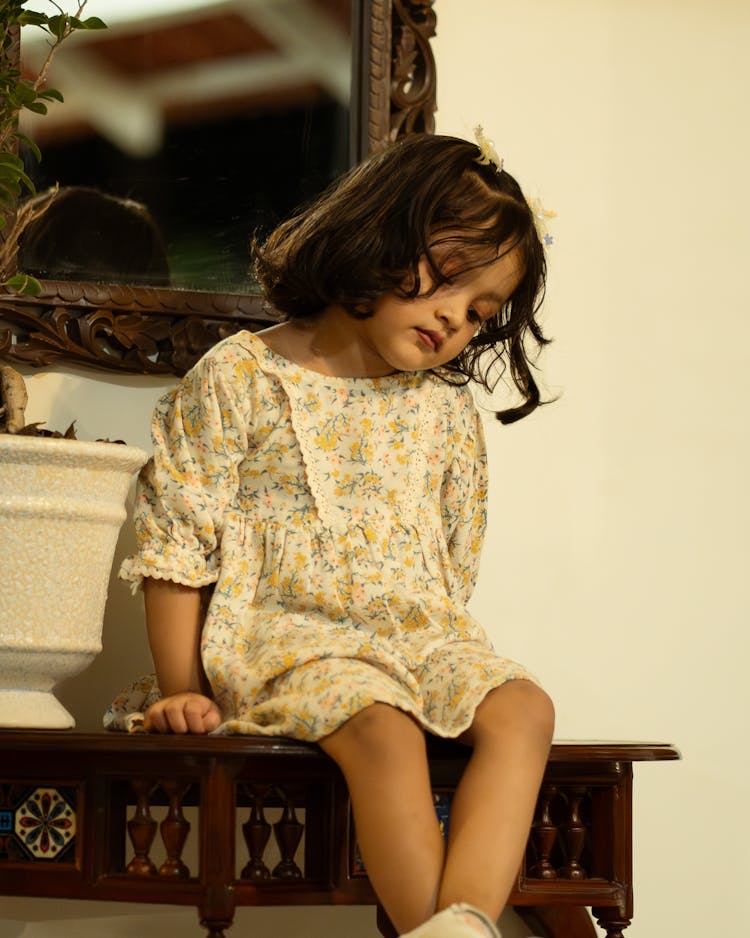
611	921
215	930
558	921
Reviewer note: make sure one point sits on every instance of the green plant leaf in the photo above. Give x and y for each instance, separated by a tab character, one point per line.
12	176
27	182
9	193
93	22
21	94
30	18
59	25
25	284
9	171
11	159
37	107
32	145
51	94
10	164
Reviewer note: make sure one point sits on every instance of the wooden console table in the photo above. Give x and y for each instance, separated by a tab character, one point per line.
220	822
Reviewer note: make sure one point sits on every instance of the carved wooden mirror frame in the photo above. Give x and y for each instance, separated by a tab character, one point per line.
159	331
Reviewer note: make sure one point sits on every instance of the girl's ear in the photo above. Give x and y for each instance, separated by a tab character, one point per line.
362	310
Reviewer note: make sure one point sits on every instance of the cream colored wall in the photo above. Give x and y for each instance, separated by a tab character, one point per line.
617	552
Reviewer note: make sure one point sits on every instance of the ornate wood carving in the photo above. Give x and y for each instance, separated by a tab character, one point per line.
413	82
121	328
379	67
79	814
145	330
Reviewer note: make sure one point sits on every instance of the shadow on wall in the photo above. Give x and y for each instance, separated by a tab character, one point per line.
125	653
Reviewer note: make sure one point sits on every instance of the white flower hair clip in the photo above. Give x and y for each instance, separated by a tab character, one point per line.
488	154
541	216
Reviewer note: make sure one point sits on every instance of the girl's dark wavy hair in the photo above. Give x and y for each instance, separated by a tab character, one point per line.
423	196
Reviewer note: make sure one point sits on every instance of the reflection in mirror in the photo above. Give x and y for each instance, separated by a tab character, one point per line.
212	119
130	327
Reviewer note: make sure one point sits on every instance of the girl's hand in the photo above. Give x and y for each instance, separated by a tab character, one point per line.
187	712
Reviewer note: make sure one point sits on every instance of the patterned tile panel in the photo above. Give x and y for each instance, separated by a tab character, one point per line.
37	823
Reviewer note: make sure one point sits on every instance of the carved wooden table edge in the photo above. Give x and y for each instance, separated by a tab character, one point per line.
272	825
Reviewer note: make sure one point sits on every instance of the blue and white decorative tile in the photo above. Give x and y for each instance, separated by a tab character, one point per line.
45	823
443	802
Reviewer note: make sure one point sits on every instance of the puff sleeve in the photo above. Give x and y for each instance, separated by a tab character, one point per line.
200	432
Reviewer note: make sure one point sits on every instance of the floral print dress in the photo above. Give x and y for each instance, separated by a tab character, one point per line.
338	523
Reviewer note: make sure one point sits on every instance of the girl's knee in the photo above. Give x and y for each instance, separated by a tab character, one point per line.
521	704
380	730
541	712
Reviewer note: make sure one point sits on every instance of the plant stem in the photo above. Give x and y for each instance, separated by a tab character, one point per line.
53	48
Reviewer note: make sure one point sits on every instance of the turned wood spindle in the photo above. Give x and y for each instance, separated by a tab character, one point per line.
142	828
256	832
544	835
288	833
174	829
574	835
612	923
215	931
216	926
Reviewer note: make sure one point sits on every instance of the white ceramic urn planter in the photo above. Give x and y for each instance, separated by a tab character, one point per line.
62	504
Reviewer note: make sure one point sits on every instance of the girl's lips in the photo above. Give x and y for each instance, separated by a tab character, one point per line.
431	339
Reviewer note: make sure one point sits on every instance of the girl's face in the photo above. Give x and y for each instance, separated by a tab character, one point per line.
429	331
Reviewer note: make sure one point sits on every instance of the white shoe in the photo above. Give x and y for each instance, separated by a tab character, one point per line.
456	922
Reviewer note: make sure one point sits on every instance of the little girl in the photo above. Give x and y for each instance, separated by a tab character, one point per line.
310	524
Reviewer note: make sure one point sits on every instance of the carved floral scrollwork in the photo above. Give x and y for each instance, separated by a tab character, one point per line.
127	329
413	68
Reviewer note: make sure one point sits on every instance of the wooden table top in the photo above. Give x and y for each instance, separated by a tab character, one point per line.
106	741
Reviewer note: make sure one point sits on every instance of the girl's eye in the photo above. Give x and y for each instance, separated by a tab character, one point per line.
472	315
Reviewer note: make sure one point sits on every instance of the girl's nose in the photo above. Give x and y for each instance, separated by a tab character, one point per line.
448	315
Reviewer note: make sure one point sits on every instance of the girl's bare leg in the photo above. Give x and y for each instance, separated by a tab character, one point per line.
494	803
381	752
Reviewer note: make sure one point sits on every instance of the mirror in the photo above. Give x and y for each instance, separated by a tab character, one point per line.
218	117
128	324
